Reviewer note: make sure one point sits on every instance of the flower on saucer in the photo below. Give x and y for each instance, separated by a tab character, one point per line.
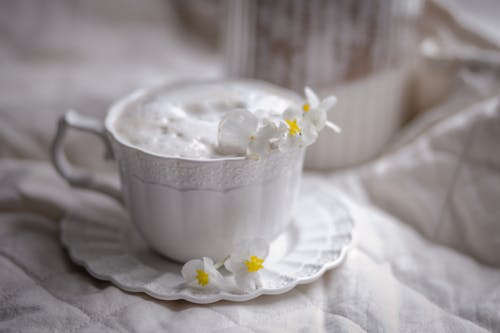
245	262
202	274
240	133
315	110
295	132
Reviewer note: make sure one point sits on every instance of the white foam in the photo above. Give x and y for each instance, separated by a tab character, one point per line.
183	121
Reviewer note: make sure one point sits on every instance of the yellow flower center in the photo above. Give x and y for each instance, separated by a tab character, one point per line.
202	277
252	137
254	264
306	107
293	127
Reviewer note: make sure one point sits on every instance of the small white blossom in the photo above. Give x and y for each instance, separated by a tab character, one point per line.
235	130
261	142
295	132
245	262
202	274
315	110
240	133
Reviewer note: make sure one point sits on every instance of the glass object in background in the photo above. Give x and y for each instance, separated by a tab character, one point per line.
360	50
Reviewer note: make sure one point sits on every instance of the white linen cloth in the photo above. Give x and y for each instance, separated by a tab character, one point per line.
427	241
393	280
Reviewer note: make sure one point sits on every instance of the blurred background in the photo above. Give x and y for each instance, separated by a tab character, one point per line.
386	60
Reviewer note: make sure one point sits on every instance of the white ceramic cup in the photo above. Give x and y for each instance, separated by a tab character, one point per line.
189	208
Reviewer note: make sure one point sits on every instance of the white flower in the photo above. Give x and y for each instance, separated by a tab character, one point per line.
245	262
261	142
235	130
202	274
240	133
315	111
295	132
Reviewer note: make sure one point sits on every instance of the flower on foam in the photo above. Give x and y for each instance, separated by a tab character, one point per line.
235	131
240	133
246	261
202	274
315	110
262	141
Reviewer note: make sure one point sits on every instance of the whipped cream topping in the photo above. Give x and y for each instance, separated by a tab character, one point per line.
182	121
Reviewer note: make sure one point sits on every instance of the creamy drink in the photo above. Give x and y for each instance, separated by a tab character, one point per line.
183	121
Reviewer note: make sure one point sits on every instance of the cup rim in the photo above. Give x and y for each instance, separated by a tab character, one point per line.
117	107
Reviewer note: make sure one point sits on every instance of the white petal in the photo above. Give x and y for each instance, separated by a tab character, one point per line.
229	264
216	278
333	126
189	269
328	103
260	146
282	134
244	250
208	263
248	282
235	130
311	96
317	118
190	272
321	118
292	113
309	133
258	149
259	247
235	264
241	250
282	129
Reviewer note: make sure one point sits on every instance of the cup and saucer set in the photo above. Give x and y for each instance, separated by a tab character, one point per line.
173	209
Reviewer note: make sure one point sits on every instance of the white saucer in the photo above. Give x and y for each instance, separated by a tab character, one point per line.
105	242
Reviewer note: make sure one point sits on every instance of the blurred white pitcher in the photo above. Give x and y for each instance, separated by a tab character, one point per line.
362	51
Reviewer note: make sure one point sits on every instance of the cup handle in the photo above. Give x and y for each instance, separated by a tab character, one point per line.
78	177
